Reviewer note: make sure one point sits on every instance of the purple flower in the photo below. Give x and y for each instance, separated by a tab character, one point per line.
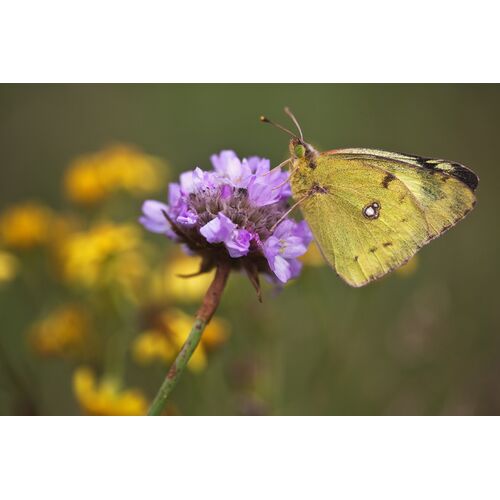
223	230
289	241
233	212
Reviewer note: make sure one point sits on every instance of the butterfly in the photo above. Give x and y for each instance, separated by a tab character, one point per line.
370	211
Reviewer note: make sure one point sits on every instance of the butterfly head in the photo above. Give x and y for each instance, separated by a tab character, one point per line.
300	149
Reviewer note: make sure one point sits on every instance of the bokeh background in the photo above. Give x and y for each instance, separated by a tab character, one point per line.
91	310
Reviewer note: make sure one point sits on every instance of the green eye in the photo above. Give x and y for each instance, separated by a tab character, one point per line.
300	150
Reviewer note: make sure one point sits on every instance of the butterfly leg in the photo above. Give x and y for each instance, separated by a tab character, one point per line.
282	164
292	208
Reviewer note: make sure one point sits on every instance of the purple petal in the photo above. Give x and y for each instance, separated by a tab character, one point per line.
153	210
295	268
220	161
154	227
174	194
186	180
259	166
225	191
261	193
228	166
154	219
284	229
302	231
187	218
238	173
289	240
281	268
239	243
202	180
276	180
271	247
218	229
292	247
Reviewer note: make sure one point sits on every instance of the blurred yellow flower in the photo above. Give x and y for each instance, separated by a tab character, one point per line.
168	283
93	177
409	268
9	266
313	257
25	225
106	253
164	342
105	397
151	345
61	332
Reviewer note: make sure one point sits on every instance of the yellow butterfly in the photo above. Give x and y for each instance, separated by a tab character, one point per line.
370	211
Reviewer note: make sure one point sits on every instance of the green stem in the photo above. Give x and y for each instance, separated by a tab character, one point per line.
205	312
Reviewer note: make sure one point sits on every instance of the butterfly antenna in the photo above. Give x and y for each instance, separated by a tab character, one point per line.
295	121
264	119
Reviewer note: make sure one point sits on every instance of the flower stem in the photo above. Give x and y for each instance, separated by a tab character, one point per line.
207	309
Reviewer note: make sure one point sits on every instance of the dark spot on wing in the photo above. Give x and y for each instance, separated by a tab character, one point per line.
373	249
317	188
404	220
388	244
372	210
468	177
387	179
356	258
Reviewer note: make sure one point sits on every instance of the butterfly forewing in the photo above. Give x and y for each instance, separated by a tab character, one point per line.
364	225
444	189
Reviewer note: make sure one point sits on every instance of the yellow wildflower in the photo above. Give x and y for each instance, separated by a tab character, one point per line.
105	397
151	345
164	342
313	256
168	282
105	253
409	268
93	177
61	332
9	265
25	225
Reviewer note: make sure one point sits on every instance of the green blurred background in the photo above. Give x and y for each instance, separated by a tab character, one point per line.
427	343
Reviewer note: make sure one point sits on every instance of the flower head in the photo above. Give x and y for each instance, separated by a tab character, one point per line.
25	225
62	332
105	253
233	212
94	177
166	333
104	397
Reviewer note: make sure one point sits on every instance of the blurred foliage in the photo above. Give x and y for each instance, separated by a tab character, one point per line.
92	310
